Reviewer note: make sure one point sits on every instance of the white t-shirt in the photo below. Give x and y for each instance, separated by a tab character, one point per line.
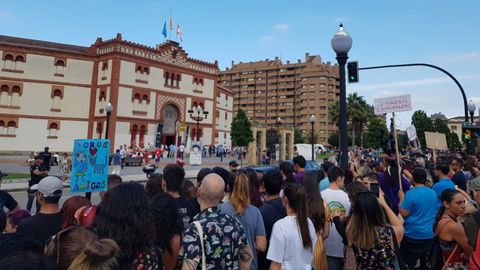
335	199
286	246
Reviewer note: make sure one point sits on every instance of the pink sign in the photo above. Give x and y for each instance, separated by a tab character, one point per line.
392	104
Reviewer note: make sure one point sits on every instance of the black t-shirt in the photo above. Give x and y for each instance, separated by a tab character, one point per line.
460	180
35	179
271	211
46	157
41	227
186	212
6	200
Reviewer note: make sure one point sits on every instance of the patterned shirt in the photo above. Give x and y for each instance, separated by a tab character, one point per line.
223	237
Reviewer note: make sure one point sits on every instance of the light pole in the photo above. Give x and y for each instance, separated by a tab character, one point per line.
341	44
312	121
199	118
472	144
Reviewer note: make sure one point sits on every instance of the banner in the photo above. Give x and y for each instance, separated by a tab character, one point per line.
196	153
392	104
436	141
90	165
412	133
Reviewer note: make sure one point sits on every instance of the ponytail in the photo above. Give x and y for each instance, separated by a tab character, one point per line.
297	202
97	255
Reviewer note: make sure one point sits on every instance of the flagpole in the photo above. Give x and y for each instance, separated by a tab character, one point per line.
171	25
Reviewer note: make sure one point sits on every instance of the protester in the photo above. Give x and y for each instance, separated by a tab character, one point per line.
173	177
228	179
254	186
458	177
233	252
20	252
419	208
389	183
324	183
451	235
292	248
232	166
370	178
124	216
272	210
299	164
14	219
48	221
189	192
6	200
168	228
46	157
154	185
117	162
70	207
441	172
239	206
369	234
113	180
318	215
37	172
287	172
338	202
85	215
77	248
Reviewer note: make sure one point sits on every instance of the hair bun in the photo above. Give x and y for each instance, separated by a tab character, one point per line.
101	250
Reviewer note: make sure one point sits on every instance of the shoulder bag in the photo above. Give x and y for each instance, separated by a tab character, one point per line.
200	234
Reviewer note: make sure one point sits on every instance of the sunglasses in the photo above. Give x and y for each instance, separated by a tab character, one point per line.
65	232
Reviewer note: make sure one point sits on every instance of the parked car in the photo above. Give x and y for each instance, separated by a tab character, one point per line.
311	165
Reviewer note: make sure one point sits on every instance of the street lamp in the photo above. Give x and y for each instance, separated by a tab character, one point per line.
473	143
199	118
312	121
108	109
341	44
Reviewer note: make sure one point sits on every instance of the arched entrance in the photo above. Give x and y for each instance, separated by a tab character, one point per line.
167	130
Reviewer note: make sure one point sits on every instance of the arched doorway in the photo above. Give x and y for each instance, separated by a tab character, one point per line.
167	128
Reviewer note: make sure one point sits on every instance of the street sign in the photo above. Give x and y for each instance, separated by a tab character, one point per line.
392	104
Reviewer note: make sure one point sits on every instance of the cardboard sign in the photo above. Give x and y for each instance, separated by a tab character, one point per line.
412	133
196	153
90	165
436	141
392	104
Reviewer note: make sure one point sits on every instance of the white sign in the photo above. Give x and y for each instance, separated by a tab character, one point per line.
392	104
196	153
412	133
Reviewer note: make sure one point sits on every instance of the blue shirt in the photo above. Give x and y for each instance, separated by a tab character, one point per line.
116	158
324	184
422	204
441	186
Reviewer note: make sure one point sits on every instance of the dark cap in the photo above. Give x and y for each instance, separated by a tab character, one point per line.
419	175
233	163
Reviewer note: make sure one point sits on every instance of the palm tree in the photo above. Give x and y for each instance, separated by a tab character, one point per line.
355	111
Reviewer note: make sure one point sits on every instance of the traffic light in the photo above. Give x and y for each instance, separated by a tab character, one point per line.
352	68
467	134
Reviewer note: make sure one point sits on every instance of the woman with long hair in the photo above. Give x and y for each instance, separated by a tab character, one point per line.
80	249
168	228
70	206
249	215
14	218
319	217
287	172
293	248
124	215
389	182
154	185
369	232
451	234
254	187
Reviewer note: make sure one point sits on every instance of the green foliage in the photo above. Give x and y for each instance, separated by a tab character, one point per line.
297	136
308	137
453	141
422	123
241	132
376	133
333	140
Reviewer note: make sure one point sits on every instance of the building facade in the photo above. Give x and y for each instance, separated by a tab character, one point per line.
269	89
455	124
51	94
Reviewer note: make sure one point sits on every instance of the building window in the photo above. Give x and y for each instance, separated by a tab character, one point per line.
104	70
16	92
10	95
57	96
13	62
172	80
99	130
142	73
4	95
133	135
141	137
140	99
3	128
60	65
12	126
194	133
53	127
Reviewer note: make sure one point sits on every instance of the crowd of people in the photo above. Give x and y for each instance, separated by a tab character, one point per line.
375	215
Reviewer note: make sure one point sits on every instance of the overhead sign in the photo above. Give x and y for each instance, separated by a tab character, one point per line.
392	104
436	140
90	165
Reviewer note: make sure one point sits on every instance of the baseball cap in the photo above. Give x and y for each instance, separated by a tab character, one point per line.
475	184
233	163
49	186
3	174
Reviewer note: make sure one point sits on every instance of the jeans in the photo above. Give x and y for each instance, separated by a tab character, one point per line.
335	263
413	249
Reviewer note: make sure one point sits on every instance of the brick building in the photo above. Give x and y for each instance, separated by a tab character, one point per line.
269	89
52	93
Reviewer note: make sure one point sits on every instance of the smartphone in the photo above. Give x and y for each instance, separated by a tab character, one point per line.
375	189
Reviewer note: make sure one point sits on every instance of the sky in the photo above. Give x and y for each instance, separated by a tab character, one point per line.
438	32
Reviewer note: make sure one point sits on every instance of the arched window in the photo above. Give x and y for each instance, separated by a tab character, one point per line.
104	66
56	96
9	57
19	58
57	93
60	63
145	70
178	80
16	91
12	125
52	130
167	76
136	102
139	69
133	135
4	95
3	128
172	78
141	136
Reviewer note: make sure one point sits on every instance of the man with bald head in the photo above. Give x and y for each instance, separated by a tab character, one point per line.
222	233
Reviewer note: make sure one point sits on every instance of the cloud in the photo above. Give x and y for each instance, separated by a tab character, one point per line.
267	39
457	57
281	26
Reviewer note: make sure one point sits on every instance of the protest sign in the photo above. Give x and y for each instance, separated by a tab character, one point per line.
196	153
436	141
392	104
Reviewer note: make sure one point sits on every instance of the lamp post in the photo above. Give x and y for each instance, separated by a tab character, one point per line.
341	44
312	121
198	117
472	144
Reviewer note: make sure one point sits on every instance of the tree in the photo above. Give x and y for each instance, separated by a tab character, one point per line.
333	140
334	113
297	136
240	131
453	141
422	123
308	138
376	133
441	126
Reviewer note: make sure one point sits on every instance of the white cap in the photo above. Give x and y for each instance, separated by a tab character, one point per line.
49	186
